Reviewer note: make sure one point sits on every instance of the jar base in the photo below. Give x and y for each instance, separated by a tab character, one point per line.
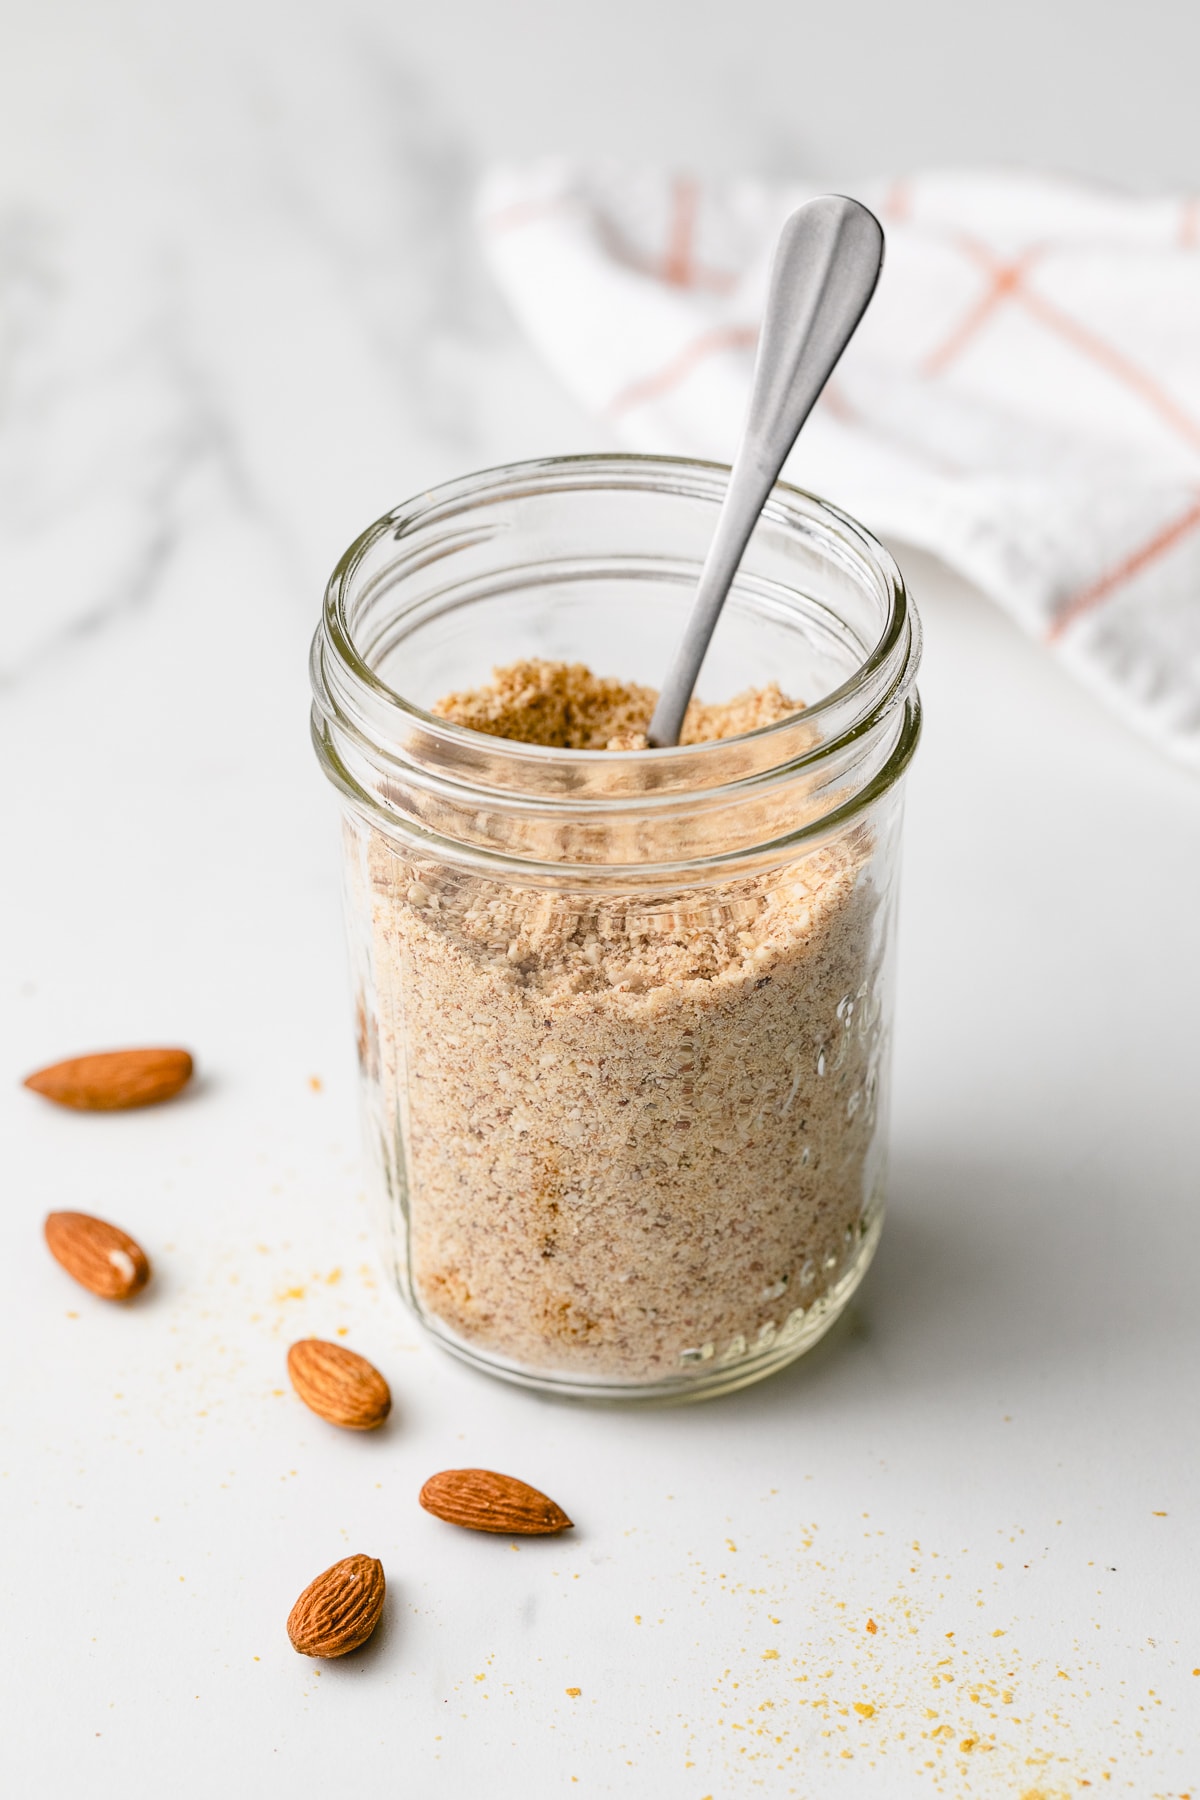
704	1381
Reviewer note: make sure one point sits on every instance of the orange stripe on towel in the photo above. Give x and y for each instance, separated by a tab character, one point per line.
1150	552
680	267
677	266
898	202
651	387
523	212
1117	363
1008	283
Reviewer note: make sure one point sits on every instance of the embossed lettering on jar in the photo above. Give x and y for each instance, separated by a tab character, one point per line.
623	1015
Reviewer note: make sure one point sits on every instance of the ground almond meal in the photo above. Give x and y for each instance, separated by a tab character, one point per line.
636	1135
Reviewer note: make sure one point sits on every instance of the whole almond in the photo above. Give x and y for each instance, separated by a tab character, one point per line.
344	1388
483	1501
338	1611
114	1080
99	1255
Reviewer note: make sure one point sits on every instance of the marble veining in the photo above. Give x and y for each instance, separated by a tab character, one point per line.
249	282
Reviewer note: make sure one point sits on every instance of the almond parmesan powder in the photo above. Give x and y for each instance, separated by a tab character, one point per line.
629	1135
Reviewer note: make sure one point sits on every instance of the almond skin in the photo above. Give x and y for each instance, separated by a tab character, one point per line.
338	1611
114	1080
99	1255
483	1501
344	1388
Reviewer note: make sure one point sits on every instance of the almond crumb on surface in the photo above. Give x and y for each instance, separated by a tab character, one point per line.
573	1693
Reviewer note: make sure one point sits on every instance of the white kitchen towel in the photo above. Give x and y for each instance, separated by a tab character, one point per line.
1022	399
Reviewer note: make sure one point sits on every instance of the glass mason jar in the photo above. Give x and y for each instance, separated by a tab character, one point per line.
623	1016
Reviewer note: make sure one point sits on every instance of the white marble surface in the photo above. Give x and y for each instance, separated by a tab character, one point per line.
241	313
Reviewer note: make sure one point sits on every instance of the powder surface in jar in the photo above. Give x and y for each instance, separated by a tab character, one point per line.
630	1132
566	706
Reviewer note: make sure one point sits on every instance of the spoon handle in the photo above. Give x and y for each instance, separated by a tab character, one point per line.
827	262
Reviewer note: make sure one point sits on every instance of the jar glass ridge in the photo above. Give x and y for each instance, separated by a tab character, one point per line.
623	1016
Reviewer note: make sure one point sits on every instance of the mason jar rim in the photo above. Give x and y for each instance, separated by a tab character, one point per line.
514	478
357	714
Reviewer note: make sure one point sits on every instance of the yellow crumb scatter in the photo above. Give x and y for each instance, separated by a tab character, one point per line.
573	1693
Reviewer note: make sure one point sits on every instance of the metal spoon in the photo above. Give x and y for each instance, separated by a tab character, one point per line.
827	262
